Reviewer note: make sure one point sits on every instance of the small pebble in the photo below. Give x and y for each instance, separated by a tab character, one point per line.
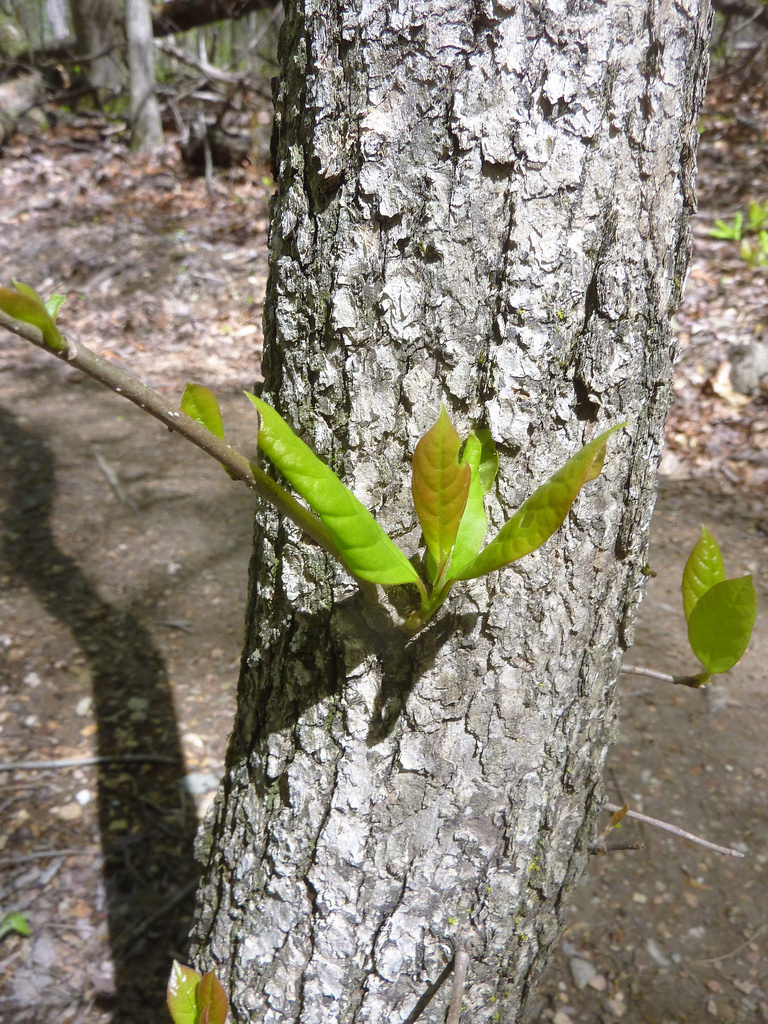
582	971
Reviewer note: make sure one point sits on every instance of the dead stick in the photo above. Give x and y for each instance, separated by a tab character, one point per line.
668	827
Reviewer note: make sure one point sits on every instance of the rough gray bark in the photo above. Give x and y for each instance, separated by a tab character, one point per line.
146	125
484	203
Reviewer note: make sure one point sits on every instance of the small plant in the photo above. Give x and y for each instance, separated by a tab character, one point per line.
195	998
726	232
13	921
753	250
755	253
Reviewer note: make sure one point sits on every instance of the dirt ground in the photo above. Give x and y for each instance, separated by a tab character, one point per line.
123	574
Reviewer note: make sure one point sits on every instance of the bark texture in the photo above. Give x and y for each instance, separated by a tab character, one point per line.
484	203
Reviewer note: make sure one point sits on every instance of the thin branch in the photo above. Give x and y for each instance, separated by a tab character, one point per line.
82	762
696	682
742	945
237	466
668	827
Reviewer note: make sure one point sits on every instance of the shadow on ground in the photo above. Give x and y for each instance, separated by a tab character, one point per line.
145	823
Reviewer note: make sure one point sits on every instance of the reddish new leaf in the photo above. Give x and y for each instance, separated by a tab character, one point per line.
440	487
212	1000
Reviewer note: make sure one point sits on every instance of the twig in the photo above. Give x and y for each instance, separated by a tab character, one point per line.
237	466
742	945
460	963
80	762
668	827
114	482
695	682
138	929
25	858
601	849
426	997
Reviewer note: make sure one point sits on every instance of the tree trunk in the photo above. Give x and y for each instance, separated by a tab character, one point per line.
100	39
484	204
146	124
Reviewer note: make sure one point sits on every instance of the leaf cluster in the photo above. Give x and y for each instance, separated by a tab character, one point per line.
195	998
720	612
450	482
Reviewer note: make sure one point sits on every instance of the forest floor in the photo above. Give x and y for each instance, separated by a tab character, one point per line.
123	575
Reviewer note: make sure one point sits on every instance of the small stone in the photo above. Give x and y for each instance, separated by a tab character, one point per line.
83	797
69	812
582	971
198	783
656	954
83	706
616	1005
561	1017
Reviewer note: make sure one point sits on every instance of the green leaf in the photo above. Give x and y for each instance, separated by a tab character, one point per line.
54	303
13	921
212	1000
542	514
480	455
26	305
201	404
182	994
440	485
721	622
702	571
367	550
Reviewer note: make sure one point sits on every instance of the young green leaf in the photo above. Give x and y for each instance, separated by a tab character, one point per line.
720	624
367	550
26	305
440	485
542	514
182	994
480	455
13	921
212	1000
702	571
54	303
202	405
